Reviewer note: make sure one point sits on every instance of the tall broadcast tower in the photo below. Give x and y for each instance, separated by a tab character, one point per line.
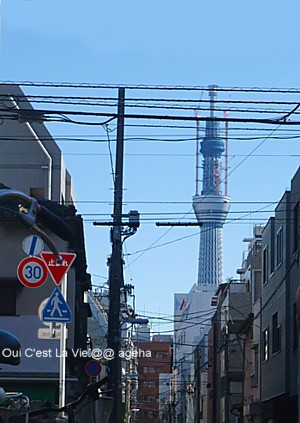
211	207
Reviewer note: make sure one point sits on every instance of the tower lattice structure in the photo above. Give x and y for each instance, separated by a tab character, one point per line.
211	207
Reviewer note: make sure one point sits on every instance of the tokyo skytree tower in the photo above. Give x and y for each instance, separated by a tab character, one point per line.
211	207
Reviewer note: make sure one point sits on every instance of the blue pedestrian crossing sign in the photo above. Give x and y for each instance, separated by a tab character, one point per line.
56	309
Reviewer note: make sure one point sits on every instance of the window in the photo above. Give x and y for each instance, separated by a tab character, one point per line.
255	285
266	344
295	227
295	329
161	355
272	247
279	247
8	297
37	192
276	334
151	384
148	384
254	376
265	265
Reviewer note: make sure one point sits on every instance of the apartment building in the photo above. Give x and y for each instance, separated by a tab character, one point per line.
32	162
253	344
250	274
280	280
150	371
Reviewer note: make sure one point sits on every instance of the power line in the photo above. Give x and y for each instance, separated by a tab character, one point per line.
79	100
66	84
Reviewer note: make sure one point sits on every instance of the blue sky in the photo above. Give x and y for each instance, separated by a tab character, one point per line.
232	43
170	42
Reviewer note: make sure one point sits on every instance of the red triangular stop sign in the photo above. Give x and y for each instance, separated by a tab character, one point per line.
58	270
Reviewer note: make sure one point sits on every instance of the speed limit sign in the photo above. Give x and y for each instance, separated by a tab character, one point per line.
32	272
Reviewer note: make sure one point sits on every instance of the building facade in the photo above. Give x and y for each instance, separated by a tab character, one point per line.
280	280
31	162
150	378
253	345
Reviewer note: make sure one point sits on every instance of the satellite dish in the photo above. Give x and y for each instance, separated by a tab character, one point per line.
10	348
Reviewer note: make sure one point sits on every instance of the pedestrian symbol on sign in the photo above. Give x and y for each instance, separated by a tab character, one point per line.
55	303
56	309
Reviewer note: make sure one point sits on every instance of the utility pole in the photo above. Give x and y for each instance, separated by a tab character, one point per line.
227	380
127	403
116	271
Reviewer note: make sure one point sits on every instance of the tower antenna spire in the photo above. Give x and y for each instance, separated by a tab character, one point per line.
212	95
226	152
197	151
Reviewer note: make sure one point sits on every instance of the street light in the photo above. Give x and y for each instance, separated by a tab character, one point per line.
29	210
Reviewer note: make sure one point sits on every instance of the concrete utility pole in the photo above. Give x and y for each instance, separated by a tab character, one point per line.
116	270
227	380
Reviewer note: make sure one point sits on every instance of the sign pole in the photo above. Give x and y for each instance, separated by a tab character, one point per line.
57	310
62	351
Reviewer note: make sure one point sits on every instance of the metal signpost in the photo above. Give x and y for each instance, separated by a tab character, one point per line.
57	309
32	272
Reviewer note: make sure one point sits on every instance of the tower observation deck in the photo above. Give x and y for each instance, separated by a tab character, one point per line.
211	207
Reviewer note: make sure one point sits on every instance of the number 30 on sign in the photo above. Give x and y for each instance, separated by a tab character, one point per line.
32	272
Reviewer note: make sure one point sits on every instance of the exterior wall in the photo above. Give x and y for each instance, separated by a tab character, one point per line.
29	157
249	370
250	274
192	321
31	162
294	282
98	323
215	340
149	371
236	306
226	353
279	379
165	398
274	301
269	364
201	366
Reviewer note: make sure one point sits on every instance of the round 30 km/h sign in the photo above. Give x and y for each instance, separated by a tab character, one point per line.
32	272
